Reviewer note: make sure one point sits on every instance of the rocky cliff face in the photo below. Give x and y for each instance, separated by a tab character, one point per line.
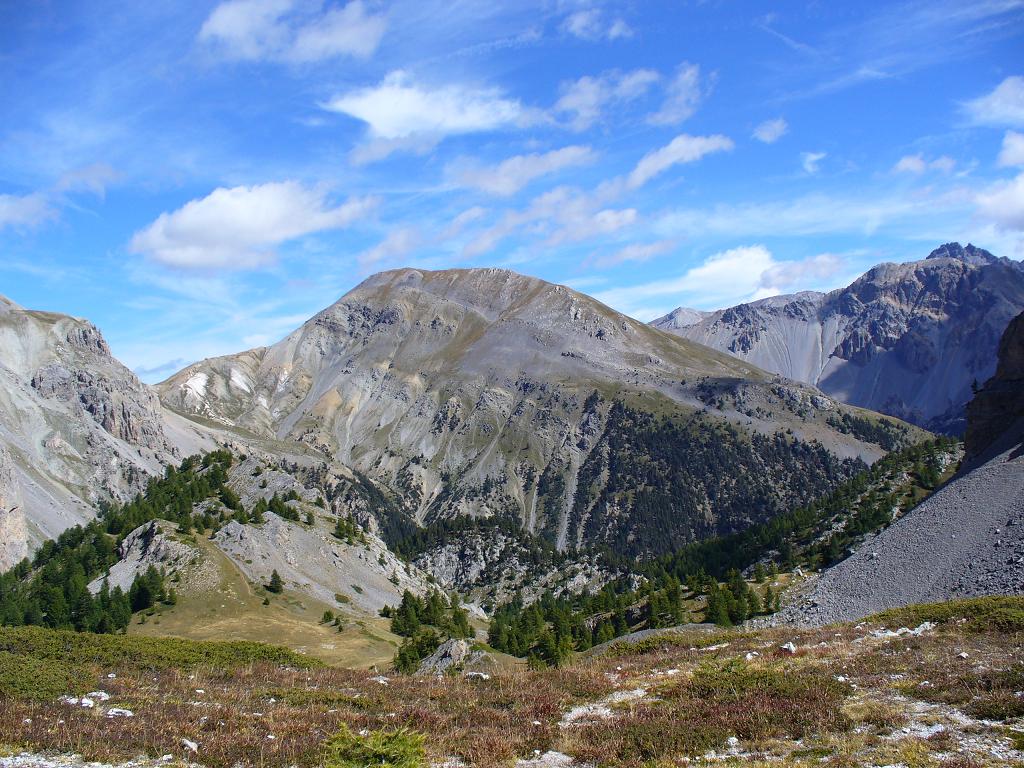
998	407
76	426
13	527
904	339
484	393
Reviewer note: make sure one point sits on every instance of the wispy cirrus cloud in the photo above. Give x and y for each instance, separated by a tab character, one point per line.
585	100
683	95
682	149
917	164
511	175
286	30
239	228
771	131
592	25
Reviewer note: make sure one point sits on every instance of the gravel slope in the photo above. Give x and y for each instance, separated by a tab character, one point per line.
965	540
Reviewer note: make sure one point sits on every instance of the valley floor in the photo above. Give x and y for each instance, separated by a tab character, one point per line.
928	686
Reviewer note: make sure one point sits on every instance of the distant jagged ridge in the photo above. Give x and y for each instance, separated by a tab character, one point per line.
907	339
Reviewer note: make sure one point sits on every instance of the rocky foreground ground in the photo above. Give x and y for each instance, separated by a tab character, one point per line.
936	686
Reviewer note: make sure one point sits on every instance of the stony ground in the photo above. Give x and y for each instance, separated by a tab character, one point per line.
935	551
920	688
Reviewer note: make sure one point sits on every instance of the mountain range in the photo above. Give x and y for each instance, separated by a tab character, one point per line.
493	431
909	340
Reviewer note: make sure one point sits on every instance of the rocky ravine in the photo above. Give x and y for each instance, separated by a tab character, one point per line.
965	540
467	391
904	339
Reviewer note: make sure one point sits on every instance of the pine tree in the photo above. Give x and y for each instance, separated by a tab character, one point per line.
276	585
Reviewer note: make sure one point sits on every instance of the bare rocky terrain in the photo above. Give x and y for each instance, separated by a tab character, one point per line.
966	540
76	427
465	392
904	339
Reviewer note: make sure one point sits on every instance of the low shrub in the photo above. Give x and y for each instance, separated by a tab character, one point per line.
400	748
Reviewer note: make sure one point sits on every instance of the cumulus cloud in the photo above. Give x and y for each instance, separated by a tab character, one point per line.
682	149
285	30
511	175
585	100
811	161
771	131
724	278
239	227
917	164
590	24
403	115
1003	106
1012	152
682	96
1003	204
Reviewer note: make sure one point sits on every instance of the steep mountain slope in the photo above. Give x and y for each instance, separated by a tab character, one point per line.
76	427
904	339
965	540
487	393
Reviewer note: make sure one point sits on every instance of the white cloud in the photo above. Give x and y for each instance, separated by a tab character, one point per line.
589	24
25	211
93	178
723	279
396	245
798	274
771	131
584	100
239	227
916	164
810	161
511	175
399	110
682	96
1003	204
682	149
1012	153
1003	106
558	216
819	214
636	253
284	30
463	220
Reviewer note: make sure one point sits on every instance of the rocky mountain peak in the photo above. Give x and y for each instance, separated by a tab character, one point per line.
969	255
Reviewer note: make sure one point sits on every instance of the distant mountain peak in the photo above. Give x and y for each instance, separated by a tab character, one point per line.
969	255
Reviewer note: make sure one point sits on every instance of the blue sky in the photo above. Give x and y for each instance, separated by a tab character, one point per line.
199	178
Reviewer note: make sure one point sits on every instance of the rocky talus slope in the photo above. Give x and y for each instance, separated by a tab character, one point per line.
488	393
76	426
965	540
904	339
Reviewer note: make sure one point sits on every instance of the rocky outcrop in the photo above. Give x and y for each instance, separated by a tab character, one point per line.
77	427
904	339
456	656
999	404
151	544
